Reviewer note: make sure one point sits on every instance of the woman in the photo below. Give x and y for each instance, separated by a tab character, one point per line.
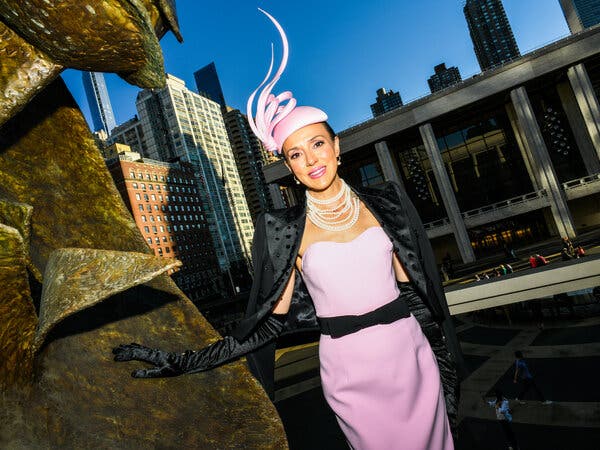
362	260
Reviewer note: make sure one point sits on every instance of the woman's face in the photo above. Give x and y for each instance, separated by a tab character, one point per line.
311	154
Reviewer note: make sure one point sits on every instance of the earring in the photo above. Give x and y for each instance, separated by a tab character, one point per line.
296	180
339	160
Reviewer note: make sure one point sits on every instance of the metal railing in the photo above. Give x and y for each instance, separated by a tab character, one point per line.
589	179
514	201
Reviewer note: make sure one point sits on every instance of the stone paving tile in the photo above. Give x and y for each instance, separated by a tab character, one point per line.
486	434
487	336
572	379
568	336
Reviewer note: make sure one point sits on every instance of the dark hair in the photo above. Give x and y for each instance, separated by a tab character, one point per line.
499	394
519	354
329	130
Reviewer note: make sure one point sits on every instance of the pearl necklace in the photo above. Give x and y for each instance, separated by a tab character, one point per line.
329	218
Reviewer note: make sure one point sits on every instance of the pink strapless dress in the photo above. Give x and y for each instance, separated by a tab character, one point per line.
382	382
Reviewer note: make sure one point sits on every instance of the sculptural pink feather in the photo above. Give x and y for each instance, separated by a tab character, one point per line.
274	122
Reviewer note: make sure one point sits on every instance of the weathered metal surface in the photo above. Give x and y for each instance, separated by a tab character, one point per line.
18	215
38	38
17	314
78	278
24	72
80	397
94	35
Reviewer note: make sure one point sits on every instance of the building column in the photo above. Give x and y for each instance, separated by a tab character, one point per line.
449	199
541	163
529	165
578	128
276	196
388	166
590	113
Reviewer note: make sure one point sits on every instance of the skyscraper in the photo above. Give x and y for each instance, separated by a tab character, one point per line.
493	39
386	101
443	77
98	101
581	14
208	84
179	124
247	151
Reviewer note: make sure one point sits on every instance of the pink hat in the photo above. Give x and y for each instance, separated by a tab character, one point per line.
274	122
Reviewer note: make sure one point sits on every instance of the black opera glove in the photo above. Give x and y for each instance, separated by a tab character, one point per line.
168	364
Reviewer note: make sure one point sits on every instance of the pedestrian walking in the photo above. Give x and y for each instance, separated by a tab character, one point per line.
524	376
502	408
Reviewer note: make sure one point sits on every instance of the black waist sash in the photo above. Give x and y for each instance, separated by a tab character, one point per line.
339	326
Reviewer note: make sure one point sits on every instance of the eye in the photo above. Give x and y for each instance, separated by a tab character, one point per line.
318	144
294	155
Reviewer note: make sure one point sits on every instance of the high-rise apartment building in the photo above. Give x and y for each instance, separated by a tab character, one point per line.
98	101
164	199
493	39
208	84
130	133
248	157
386	101
179	124
443	77
581	14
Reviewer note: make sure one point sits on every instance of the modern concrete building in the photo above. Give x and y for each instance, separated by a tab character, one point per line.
581	14
248	154
511	156
130	133
386	101
96	93
493	39
165	203
209	85
443	77
179	124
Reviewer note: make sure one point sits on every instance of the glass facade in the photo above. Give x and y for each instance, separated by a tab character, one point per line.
515	231
208	84
483	160
417	175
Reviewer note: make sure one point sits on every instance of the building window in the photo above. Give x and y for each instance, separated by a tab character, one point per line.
168	250
144	218
138	196
156	240
143	186
153	197
149	241
135	185
154	230
147	230
141	207
146	197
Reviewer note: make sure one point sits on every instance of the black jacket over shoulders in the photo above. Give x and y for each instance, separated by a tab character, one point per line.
277	239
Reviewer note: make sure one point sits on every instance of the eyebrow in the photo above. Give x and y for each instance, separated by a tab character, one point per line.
308	140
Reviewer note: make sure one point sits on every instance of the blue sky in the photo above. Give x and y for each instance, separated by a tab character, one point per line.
341	52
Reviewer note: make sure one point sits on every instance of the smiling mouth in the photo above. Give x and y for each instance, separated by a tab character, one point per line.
317	172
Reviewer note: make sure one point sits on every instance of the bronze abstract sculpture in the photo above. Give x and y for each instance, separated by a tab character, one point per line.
77	277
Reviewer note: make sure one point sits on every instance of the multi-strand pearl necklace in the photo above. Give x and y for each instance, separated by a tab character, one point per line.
342	216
